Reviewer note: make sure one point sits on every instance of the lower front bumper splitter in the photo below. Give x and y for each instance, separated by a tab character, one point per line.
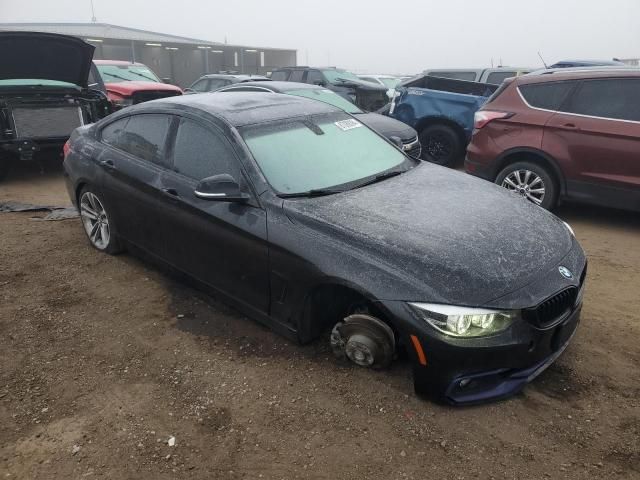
498	384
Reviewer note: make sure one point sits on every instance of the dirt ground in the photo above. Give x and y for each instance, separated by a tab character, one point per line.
103	359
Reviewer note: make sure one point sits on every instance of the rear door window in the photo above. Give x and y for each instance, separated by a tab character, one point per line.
296	76
145	137
615	98
201	85
496	78
201	152
315	77
112	134
216	83
548	96
280	76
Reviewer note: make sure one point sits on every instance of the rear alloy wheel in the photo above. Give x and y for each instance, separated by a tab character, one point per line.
364	340
440	145
531	181
97	224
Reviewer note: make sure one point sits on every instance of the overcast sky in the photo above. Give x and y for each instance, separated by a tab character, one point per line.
377	36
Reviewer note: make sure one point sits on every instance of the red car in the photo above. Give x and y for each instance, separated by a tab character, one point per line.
557	135
130	83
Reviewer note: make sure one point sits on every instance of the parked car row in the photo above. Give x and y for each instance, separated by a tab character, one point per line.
322	219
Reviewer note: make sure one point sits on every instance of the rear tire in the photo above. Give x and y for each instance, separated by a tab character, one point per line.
440	145
531	181
97	221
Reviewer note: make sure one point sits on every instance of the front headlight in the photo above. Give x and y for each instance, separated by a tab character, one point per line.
463	321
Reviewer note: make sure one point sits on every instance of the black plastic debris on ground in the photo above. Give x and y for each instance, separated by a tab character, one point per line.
54	212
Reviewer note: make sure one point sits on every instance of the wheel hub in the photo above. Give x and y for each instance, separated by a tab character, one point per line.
364	340
527	184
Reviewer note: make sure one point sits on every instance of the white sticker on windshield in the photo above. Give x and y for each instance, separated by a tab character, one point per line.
349	124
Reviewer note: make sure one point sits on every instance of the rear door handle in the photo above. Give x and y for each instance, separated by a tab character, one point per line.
108	164
571	126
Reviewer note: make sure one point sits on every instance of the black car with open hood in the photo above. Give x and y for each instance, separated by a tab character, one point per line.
44	94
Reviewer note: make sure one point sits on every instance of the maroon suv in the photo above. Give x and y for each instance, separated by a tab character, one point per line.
563	135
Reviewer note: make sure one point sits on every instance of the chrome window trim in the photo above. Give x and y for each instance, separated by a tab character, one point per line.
569	113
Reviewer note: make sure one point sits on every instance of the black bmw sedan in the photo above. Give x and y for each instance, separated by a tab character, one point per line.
310	222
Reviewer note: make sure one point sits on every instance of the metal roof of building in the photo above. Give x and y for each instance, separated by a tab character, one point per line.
106	30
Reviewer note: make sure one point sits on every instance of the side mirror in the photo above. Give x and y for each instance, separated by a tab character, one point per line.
188	90
320	83
166	80
397	141
222	188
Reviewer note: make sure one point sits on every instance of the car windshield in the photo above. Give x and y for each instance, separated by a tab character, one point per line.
326	96
334	75
126	73
322	152
35	82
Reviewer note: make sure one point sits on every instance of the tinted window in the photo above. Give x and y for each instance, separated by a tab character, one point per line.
200	152
549	96
469	76
611	98
279	76
296	76
216	83
200	86
315	77
112	133
145	137
497	78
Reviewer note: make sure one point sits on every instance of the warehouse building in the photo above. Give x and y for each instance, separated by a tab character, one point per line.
180	59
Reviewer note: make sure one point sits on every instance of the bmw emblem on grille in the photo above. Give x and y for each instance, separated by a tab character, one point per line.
565	272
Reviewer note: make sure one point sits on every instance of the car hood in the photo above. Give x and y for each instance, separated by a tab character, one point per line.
442	235
387	127
130	87
361	85
47	56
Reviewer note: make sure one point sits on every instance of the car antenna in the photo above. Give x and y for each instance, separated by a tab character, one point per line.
543	62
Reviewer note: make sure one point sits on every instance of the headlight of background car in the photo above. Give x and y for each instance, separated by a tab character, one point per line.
570	229
463	321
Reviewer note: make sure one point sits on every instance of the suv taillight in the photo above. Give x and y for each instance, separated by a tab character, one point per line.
484	117
66	148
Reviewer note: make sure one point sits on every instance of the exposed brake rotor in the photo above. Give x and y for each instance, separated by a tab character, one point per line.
365	340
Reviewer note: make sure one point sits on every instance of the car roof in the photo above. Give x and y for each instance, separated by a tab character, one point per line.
244	108
276	86
578	73
231	75
594	63
118	62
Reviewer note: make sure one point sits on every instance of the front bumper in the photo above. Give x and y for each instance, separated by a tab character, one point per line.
498	375
464	371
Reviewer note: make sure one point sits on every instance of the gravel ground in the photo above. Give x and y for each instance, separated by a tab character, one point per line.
107	361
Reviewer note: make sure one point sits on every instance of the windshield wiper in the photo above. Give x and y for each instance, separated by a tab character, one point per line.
115	75
143	76
317	192
380	177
